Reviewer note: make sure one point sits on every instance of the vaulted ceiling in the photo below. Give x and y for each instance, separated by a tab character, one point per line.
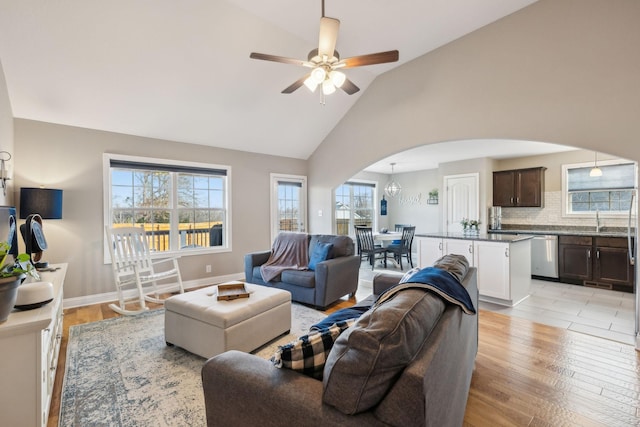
180	70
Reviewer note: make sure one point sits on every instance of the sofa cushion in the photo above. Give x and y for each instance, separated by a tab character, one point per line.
304	278
308	353
367	358
320	253
456	265
342	245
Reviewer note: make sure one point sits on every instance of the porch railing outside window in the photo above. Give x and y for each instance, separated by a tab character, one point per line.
354	206
180	207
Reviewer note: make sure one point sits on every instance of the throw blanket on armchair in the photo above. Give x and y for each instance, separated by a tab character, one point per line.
438	281
290	252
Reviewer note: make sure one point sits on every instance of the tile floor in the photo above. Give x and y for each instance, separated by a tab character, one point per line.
599	312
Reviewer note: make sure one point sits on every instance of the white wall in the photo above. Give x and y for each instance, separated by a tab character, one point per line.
411	206
560	71
6	135
70	158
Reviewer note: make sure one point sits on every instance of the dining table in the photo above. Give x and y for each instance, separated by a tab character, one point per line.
386	238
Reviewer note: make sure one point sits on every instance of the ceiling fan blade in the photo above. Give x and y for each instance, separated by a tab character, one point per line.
328	36
349	87
370	59
293	87
284	60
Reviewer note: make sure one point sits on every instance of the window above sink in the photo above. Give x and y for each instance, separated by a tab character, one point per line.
606	195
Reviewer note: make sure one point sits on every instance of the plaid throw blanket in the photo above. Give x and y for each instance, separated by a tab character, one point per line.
290	252
308	354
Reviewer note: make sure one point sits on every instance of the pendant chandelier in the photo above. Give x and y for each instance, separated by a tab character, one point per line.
595	171
392	189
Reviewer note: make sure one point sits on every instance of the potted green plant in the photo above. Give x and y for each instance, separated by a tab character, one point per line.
433	197
470	225
12	273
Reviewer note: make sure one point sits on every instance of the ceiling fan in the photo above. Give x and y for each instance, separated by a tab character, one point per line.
325	62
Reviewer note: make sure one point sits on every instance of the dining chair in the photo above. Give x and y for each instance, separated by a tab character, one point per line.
364	235
358	245
404	247
398	229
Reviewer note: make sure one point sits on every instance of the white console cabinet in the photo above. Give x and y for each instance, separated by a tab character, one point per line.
29	347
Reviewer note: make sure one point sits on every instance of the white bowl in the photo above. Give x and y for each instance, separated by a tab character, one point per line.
34	295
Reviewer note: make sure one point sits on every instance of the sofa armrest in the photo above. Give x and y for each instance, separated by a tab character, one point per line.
252	260
335	278
241	389
383	281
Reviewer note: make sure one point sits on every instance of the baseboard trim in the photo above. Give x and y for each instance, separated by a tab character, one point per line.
113	296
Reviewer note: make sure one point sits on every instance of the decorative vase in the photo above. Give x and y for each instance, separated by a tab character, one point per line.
8	294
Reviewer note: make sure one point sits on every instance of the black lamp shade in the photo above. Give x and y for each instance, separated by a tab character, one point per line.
46	202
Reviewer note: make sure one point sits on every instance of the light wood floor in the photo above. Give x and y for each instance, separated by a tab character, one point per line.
527	374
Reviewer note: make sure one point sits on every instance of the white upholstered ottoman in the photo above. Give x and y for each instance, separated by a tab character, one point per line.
199	323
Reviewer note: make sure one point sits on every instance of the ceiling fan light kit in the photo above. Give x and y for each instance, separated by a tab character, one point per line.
327	87
337	78
325	61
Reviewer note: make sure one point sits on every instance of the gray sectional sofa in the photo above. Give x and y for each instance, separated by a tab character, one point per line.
429	389
331	280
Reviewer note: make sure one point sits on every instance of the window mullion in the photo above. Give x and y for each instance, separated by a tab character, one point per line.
175	217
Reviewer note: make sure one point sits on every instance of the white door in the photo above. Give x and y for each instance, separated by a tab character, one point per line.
463	200
288	204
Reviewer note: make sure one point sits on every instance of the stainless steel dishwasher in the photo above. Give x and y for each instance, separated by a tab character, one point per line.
544	256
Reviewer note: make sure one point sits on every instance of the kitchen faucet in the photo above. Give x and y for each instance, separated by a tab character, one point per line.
597	221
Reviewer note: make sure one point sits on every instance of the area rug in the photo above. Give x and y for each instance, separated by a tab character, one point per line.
120	372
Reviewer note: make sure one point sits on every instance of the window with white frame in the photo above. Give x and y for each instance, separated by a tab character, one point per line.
183	206
609	193
354	206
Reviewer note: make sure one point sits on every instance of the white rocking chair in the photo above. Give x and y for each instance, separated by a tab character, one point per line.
132	265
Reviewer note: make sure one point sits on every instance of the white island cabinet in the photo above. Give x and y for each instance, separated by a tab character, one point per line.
505	276
429	250
29	346
503	261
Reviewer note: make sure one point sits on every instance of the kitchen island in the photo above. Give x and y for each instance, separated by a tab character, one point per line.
503	261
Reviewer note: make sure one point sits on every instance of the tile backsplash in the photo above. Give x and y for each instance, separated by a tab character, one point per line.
551	214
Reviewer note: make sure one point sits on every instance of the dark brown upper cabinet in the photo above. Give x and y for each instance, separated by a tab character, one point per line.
519	188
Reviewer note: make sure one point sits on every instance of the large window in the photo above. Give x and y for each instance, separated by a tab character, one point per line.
609	193
354	206
183	207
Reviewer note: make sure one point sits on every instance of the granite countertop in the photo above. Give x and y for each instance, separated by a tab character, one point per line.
561	231
497	237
